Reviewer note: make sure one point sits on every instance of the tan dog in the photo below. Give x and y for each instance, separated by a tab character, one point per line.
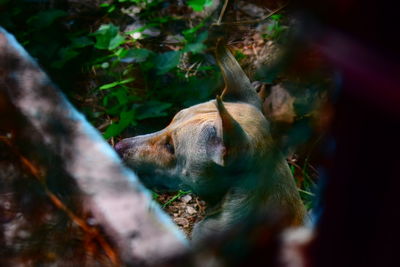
223	152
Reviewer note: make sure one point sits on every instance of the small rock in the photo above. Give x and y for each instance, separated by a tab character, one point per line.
186	198
180	205
190	210
172	209
174	39
250	9
182	222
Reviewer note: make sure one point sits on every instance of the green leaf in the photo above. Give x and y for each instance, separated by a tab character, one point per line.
276	17
133	1
46	18
126	118
139	29
109	85
134	55
66	54
114	84
239	55
154	195
120	94
180	194
166	61
116	41
105	65
195	48
198	90
108	37
81	42
196	45
112	130
199	5
202	37
190	34
152	109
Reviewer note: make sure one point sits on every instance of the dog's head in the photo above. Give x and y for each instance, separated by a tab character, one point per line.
205	142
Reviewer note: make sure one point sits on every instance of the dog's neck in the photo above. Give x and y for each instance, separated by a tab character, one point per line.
265	187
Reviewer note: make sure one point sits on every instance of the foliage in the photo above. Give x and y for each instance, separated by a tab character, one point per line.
138	61
178	195
199	5
275	29
135	81
305	183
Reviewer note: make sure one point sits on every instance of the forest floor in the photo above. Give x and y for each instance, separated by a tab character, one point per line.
129	66
255	45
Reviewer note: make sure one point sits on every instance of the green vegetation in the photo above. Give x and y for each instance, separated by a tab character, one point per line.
128	63
178	195
135	78
275	29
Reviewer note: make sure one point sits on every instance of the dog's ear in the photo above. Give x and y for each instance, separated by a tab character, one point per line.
234	139
237	84
215	147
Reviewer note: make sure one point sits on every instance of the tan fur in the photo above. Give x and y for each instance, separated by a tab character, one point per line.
222	151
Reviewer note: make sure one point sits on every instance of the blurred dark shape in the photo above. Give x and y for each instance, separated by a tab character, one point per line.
65	196
359	221
357	214
358	225
372	23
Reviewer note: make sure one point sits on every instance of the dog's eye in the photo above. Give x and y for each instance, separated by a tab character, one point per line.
170	146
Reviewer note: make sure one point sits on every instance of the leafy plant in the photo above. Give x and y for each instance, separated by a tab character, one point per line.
108	37
275	28
199	5
135	76
135	81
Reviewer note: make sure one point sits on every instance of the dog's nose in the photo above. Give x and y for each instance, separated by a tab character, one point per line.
120	147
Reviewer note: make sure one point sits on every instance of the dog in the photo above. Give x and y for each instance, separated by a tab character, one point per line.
222	151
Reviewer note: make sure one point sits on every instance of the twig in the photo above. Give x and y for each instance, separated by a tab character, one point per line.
180	194
251	21
197	68
112	141
222	12
201	208
295	165
305	192
105	125
255	52
190	69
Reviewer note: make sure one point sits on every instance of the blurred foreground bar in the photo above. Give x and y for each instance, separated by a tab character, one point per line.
44	128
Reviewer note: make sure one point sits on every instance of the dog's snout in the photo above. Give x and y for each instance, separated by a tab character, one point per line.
121	146
135	144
